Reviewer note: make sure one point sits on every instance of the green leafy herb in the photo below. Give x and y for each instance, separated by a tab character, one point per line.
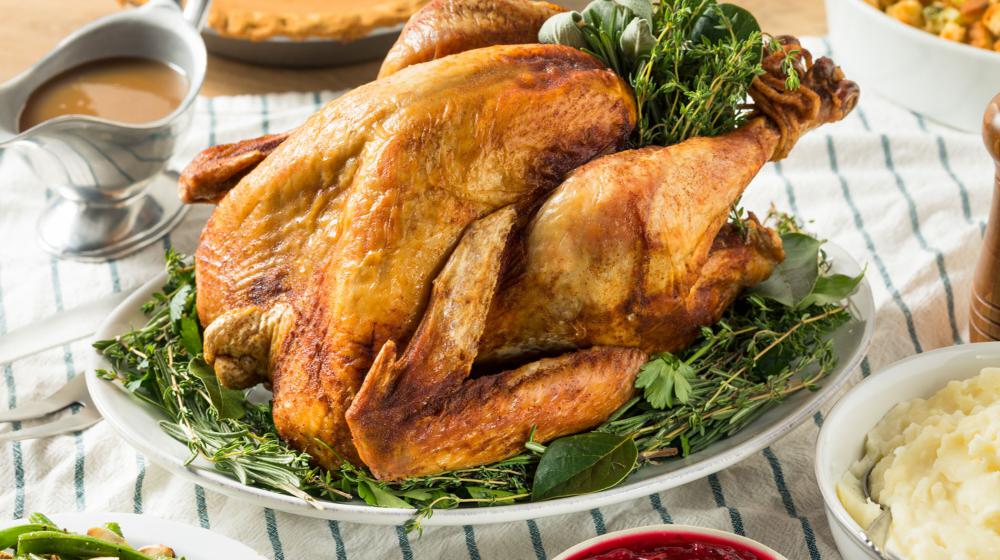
582	464
690	62
794	278
797	282
665	378
376	495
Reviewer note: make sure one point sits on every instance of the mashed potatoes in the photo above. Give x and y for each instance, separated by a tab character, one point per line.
938	469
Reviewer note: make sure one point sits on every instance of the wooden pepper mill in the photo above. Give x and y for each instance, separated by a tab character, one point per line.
984	312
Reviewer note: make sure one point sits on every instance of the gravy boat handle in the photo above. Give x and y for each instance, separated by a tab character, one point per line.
194	12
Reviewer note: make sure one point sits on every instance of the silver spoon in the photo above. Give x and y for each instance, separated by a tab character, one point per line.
877	532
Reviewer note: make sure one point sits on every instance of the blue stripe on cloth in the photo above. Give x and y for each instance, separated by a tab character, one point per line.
17	457
56	288
863	118
470	542
116	281
265	117
272	534
922	241
654	499
598	518
786	498
793	205
720	500
201	506
404	543
81	457
338	541
963	192
826	46
536	540
317	100
78	472
870	244
210	106
140	476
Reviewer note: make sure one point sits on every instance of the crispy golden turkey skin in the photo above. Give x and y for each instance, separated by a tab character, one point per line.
347	222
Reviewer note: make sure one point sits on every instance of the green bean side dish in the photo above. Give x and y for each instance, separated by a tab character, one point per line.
774	340
41	539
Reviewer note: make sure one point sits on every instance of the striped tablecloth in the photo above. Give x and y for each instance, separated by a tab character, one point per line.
904	195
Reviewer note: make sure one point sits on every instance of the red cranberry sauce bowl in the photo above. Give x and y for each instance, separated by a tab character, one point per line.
671	545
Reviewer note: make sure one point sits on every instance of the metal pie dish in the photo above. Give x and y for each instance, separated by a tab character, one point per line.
302	53
137	424
842	438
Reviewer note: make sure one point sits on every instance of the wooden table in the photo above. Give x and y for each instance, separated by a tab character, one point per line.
30	29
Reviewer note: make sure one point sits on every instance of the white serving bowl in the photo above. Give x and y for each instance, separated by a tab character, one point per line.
654	532
841	440
946	81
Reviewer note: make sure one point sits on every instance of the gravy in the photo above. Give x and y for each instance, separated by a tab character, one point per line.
126	90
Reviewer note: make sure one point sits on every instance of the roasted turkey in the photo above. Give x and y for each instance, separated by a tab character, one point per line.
440	260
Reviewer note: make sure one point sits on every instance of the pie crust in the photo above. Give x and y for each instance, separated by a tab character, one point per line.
343	20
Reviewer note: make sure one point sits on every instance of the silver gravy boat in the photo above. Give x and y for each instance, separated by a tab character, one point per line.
112	195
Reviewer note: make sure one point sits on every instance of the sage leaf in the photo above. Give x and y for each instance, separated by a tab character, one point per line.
724	22
563	29
484	493
831	289
792	280
642	9
600	13
582	464
375	495
227	402
637	40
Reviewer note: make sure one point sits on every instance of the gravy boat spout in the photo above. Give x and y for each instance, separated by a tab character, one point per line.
113	194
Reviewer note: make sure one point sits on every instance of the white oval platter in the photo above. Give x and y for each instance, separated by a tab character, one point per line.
136	423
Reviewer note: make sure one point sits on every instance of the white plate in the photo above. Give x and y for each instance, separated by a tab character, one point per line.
193	543
136	422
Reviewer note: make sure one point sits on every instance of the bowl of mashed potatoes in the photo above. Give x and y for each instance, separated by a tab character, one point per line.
930	425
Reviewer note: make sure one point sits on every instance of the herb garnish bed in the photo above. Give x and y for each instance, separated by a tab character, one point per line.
773	342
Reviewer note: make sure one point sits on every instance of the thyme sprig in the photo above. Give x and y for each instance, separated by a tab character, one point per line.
689	62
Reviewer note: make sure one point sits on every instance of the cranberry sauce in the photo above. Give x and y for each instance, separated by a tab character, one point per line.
668	545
